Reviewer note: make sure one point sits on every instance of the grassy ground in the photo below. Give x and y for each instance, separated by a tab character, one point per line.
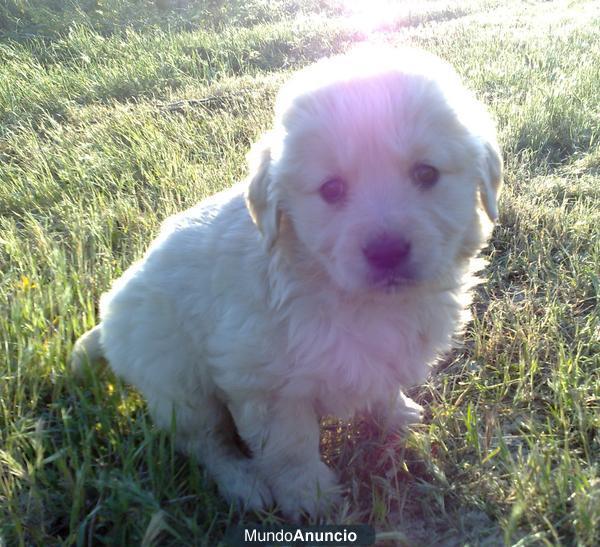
99	142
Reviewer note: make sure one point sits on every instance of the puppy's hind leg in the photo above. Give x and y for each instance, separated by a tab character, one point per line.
86	351
208	433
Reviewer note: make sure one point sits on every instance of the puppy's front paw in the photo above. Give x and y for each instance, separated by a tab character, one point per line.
311	490
399	414
245	488
406	412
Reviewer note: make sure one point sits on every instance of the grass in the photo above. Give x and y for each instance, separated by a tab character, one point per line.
100	140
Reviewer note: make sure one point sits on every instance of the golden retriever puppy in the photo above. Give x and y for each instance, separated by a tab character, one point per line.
325	284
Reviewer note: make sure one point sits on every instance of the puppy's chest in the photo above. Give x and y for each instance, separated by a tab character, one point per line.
351	358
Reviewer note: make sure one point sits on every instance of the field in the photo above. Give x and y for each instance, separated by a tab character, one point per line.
116	113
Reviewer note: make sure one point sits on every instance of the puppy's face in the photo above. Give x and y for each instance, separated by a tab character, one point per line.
379	170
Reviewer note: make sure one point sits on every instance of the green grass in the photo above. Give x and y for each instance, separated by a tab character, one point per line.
100	139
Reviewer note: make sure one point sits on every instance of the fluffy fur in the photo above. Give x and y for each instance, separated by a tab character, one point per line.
256	312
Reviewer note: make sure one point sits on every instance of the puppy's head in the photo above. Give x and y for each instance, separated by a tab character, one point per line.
380	161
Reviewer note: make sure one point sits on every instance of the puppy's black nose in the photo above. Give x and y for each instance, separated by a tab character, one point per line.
387	252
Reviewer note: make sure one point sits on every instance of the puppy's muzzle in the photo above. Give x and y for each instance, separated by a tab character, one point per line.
388	257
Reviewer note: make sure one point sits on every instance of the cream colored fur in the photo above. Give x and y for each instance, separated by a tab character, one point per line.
255	310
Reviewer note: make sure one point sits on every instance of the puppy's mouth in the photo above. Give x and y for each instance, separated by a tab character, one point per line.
392	281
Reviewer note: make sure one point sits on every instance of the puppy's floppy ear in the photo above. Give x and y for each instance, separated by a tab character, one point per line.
491	179
260	197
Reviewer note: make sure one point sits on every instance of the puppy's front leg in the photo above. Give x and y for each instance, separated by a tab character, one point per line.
398	413
283	436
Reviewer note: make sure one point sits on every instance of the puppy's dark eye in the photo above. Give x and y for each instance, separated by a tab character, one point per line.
333	190
425	175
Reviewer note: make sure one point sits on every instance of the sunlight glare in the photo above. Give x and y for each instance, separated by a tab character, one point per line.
370	15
